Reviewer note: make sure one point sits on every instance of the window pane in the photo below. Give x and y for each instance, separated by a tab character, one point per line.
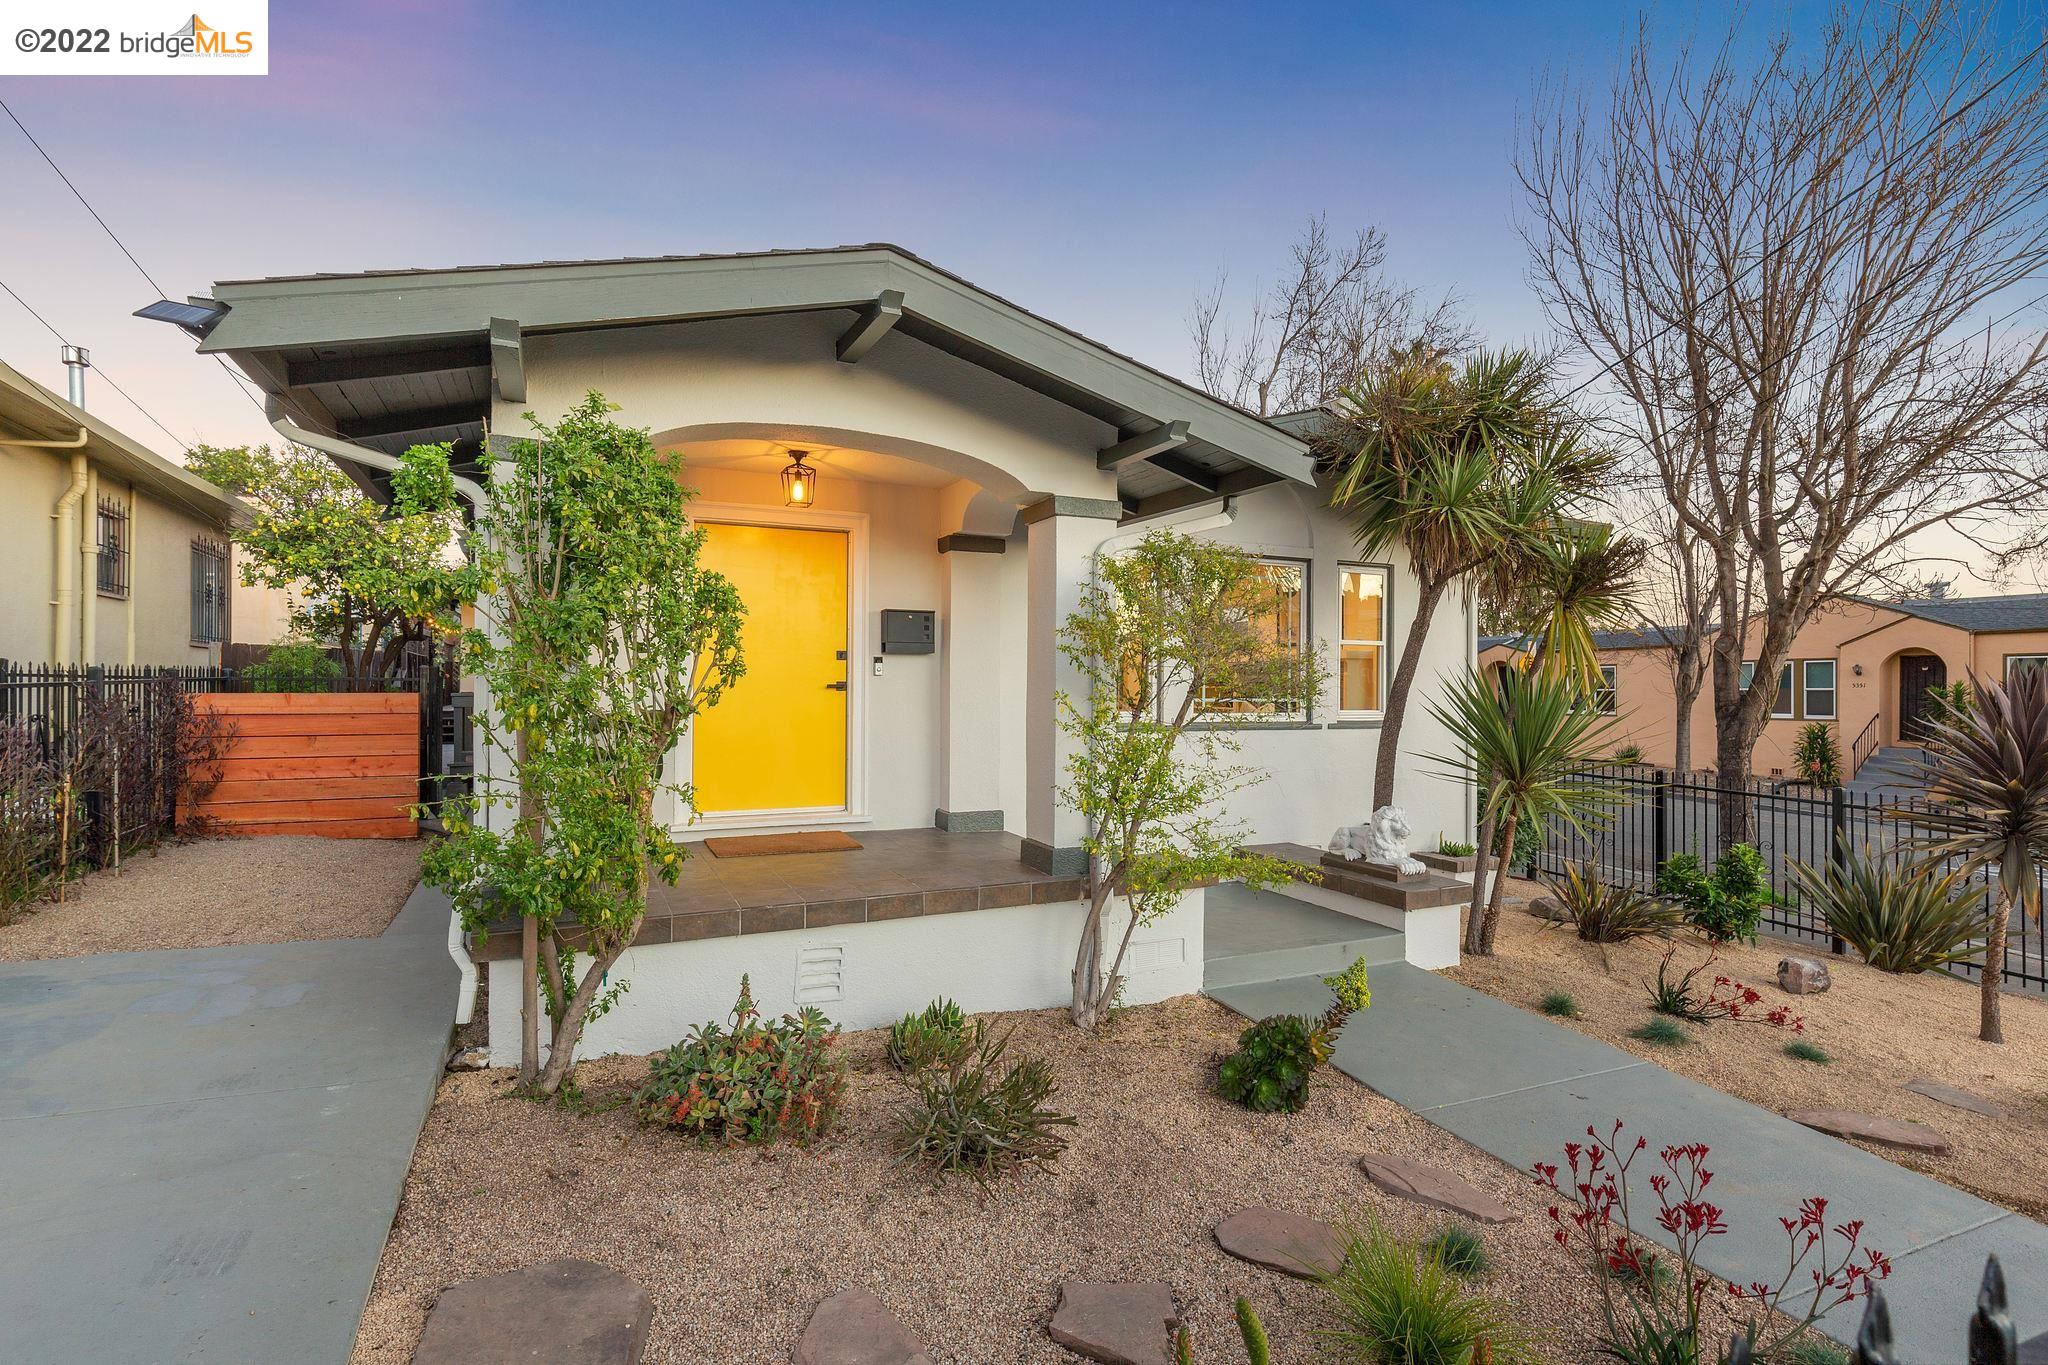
1820	688
1748	674
1359	675
1363	615
1279	618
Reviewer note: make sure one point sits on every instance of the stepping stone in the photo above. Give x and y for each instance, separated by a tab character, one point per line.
1286	1242
1116	1324
1845	1123
1405	1178
566	1312
853	1327
1959	1099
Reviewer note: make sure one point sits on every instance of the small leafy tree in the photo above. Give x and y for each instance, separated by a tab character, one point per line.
368	578
1162	625
1987	768
602	639
1530	746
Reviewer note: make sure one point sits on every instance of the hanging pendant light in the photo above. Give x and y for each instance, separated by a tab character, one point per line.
799	481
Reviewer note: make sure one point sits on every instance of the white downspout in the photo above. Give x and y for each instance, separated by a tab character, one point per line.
64	602
465	994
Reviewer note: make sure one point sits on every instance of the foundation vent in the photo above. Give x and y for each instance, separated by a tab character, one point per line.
821	974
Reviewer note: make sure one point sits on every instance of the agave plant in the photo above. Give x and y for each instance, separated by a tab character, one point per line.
1902	917
1987	770
1531	747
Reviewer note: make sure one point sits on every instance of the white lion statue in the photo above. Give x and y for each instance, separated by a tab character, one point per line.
1383	840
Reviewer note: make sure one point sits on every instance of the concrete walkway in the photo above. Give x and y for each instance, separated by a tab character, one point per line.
204	1150
1519	1086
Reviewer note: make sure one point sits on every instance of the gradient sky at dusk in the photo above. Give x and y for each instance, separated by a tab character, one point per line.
1099	164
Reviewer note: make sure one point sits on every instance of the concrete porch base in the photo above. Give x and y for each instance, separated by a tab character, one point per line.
1424	909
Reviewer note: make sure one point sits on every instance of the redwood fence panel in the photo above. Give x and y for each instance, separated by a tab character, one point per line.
343	765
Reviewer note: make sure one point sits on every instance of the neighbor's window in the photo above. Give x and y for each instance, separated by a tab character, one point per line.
1781	706
1283	618
1604	699
1362	641
1817	691
113	540
2015	662
209	592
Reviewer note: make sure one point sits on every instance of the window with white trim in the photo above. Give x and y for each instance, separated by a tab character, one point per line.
2015	662
1817	689
1781	705
1283	617
1605	698
1362	641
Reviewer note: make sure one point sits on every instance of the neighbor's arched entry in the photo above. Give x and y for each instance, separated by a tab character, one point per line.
1919	674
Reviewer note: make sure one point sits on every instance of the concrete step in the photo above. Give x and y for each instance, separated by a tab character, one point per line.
1376	944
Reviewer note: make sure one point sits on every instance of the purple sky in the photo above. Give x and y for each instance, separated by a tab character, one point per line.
1099	164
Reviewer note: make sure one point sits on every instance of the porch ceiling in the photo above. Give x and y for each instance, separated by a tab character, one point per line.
393	358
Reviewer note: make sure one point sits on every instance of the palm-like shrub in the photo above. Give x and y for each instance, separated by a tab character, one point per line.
1532	747
1987	768
1902	917
1816	757
1608	912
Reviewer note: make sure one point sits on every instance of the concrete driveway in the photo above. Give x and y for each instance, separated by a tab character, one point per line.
205	1149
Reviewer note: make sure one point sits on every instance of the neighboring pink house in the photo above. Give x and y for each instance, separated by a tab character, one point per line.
1862	665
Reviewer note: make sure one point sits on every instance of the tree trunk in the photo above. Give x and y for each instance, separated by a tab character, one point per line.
569	1029
529	939
1991	1028
1688	674
1397	696
1484	861
1086	1011
1491	922
1731	761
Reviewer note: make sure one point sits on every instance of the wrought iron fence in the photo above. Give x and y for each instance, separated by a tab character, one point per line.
1986	1337
1646	815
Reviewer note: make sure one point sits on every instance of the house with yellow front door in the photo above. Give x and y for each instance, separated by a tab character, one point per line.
910	480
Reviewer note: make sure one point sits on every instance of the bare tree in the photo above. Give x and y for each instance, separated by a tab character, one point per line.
1674	603
1332	315
1805	267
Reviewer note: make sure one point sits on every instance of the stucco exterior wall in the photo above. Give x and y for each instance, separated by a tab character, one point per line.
159	605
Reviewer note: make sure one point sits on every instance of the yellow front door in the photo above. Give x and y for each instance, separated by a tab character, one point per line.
777	740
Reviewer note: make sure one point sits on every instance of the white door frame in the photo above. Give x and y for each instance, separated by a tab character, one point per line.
855	527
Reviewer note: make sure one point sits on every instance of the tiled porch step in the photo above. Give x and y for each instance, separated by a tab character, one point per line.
1426	892
1377	945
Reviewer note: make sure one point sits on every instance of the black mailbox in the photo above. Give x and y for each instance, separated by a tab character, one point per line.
907	632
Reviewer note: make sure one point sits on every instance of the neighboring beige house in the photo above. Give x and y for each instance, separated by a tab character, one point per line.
111	554
1862	665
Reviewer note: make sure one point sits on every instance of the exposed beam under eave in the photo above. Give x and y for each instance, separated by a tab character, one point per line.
1144	445
419	419
508	360
875	322
1229	486
1187	471
342	369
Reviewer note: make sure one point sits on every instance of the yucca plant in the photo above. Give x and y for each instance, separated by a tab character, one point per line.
1987	771
1533	748
1902	917
1608	912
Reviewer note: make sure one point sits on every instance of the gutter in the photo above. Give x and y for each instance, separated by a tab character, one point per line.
471	492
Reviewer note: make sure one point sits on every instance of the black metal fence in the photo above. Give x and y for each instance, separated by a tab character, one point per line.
1647	815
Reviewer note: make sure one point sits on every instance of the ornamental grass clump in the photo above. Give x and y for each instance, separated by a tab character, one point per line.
980	1116
1397	1303
933	1036
1559	1005
755	1082
1651	1304
1901	917
1608	912
1277	1056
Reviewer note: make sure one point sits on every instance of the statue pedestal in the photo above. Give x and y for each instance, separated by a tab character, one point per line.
1365	867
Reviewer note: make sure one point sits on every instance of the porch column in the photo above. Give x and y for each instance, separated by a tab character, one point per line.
970	685
1063	534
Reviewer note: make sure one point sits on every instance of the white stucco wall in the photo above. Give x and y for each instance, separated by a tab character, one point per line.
1018	958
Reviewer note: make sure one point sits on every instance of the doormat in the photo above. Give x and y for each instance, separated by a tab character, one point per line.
765	845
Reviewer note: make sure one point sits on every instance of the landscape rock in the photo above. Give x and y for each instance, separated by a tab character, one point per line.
1286	1242
1959	1099
1116	1324
853	1327
1885	1132
1546	907
1803	976
1405	1178
469	1059
566	1312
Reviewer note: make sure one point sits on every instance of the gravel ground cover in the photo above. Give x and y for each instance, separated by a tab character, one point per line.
210	893
738	1246
1880	1031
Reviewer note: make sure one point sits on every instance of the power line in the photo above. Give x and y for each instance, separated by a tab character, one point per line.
114	237
62	340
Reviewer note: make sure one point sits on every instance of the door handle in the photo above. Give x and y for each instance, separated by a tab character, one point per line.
839	686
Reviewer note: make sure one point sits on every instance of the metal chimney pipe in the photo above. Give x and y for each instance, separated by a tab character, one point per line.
77	360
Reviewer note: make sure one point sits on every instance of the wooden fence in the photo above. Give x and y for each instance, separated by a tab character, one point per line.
345	765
